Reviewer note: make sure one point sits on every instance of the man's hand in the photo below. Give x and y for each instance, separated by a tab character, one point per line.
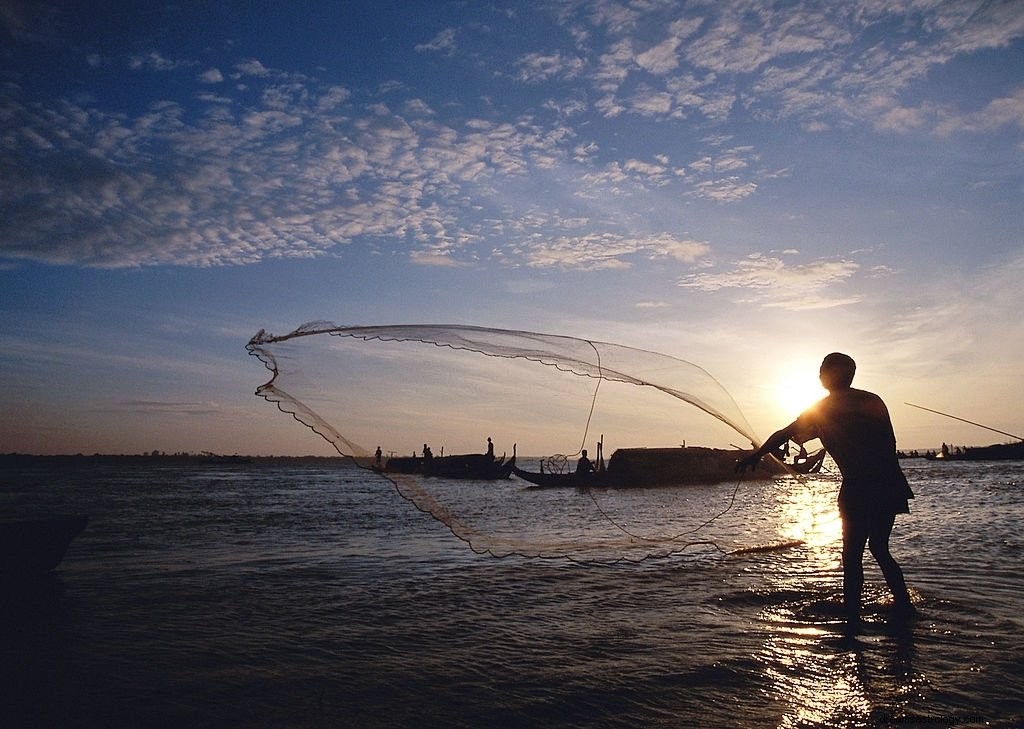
750	462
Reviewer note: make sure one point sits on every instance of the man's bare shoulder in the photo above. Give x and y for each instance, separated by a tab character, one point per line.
859	400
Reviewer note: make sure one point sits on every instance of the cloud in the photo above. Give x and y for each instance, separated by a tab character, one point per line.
156	61
279	164
211	76
800	60
251	67
443	42
296	174
771	282
1007	111
538	67
607	251
435	258
660	59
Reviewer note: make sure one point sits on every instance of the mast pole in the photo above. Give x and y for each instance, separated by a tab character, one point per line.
963	420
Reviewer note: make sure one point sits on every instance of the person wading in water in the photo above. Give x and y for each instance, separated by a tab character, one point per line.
855	428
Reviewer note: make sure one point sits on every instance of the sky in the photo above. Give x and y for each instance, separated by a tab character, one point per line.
743	185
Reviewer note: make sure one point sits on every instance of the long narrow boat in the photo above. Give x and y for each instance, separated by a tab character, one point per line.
542	480
658	466
33	546
475	466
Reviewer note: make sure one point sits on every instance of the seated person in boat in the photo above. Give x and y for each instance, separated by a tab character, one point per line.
583	465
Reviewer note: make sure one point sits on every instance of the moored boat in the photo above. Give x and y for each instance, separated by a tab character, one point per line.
33	546
544	480
658	466
474	466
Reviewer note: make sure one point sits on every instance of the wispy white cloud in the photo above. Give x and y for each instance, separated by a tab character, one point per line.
768	280
605	251
156	61
443	42
537	67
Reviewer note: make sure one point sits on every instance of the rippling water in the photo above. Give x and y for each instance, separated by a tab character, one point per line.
290	595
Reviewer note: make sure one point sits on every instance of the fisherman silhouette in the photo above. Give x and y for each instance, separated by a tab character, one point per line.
855	428
583	465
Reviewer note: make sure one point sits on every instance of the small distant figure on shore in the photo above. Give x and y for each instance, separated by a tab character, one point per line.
855	428
428	455
377	456
583	465
490	448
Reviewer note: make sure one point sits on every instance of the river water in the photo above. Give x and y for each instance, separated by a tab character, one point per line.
290	594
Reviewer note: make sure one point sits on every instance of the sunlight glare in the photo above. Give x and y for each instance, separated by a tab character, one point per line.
796	390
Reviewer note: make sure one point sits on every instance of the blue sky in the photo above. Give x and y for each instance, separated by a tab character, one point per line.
744	185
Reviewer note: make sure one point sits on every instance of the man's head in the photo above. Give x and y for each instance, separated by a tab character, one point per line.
837	371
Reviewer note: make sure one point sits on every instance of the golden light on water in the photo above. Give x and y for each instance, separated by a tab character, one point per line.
809	514
813	687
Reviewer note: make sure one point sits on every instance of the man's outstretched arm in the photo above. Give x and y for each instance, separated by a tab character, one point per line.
775	441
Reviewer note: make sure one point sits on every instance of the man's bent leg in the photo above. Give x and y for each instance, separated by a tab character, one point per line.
878	542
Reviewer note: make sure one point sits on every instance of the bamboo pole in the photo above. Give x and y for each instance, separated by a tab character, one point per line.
963	420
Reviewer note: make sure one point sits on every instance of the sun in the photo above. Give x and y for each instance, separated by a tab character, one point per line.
796	390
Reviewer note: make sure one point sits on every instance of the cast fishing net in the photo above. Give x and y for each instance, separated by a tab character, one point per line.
401	387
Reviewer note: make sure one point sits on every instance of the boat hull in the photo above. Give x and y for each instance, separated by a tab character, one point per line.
474	466
657	467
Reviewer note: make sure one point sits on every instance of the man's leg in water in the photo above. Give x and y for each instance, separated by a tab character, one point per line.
878	542
855	535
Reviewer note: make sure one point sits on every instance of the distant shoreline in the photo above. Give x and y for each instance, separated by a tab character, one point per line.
168	458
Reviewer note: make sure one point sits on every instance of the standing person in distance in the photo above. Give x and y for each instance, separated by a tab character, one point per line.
855	428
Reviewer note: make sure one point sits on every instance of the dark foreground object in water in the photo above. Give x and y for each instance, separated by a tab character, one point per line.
658	466
34	546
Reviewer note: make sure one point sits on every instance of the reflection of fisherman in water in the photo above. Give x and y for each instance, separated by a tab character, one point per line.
855	428
583	465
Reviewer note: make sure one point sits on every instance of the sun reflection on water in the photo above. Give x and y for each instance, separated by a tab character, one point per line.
808	513
859	676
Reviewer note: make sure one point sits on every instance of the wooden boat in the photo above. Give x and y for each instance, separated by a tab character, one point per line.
809	464
34	546
658	466
471	466
542	480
